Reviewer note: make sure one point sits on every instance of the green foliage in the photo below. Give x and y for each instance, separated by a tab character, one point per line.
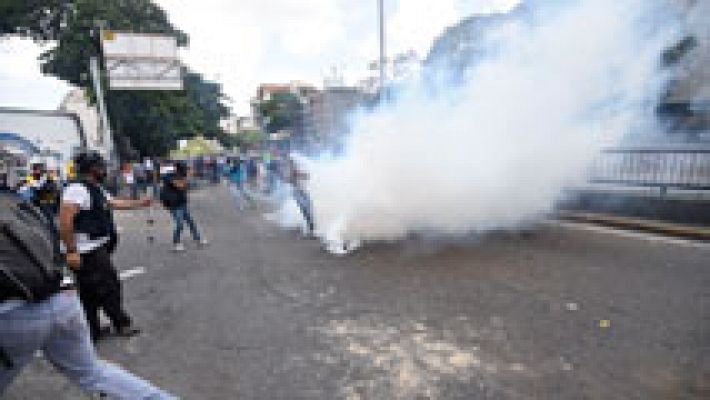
251	137
282	111
147	121
195	147
38	19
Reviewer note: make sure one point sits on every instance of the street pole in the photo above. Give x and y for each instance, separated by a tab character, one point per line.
383	56
105	136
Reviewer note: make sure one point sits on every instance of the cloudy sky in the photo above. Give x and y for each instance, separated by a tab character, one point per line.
244	43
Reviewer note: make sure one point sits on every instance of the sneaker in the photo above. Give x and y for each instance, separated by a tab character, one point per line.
203	242
103	333
179	247
127	331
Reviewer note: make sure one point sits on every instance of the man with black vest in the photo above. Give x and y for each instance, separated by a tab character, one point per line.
39	310
89	237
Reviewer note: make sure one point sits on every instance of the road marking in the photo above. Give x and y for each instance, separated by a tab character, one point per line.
130	273
649	237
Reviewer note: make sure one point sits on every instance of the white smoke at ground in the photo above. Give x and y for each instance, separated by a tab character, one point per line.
497	150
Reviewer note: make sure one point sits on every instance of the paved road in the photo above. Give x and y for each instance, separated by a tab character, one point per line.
558	313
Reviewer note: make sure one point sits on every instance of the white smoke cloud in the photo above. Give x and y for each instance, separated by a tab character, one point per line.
497	151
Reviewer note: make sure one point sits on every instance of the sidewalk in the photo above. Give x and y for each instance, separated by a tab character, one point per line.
638	224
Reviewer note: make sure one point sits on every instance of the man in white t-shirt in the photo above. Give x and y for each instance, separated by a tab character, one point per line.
78	195
88	238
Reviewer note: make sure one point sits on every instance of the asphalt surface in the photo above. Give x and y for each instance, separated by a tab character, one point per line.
560	312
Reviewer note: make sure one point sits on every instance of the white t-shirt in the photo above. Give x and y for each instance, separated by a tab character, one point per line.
77	193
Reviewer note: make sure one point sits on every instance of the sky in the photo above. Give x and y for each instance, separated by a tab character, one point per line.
241	44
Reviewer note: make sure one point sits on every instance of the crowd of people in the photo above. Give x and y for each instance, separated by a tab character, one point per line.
56	267
251	177
56	277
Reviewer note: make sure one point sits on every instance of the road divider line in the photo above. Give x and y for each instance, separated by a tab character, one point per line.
130	273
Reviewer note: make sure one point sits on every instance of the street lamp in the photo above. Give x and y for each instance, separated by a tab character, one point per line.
381	12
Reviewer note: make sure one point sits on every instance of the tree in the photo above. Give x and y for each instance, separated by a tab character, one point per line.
38	19
251	138
282	111
154	120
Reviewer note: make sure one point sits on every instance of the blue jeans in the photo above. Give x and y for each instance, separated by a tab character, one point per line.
57	327
180	216
306	206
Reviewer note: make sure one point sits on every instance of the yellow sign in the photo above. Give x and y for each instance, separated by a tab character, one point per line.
109	36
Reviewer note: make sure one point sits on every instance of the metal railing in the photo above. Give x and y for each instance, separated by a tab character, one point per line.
665	168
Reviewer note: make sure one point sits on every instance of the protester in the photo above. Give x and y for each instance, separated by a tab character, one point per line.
141	178
45	196
4	185
252	171
45	189
273	169
25	192
215	169
173	194
236	177
40	311
129	180
156	165
89	237
297	177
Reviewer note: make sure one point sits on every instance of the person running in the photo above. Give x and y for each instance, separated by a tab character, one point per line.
174	197
39	310
88	235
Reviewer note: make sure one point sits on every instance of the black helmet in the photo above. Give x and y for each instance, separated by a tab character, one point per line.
85	160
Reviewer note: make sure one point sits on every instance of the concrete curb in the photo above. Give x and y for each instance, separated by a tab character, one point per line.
652	226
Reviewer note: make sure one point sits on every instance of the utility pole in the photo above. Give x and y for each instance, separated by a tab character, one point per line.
383	55
105	134
105	137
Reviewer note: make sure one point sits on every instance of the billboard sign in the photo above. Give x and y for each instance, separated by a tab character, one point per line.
138	61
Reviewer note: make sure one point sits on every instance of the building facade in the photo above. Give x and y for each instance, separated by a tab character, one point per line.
328	112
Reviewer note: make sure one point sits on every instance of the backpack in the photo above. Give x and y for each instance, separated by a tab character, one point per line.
29	267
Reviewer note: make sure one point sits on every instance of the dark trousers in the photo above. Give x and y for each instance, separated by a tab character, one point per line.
100	288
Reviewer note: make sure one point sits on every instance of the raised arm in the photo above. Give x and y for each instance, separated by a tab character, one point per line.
128	204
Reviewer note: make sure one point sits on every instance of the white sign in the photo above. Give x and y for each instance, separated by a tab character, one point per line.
137	61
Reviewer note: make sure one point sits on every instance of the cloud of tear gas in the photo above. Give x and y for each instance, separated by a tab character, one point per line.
552	87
